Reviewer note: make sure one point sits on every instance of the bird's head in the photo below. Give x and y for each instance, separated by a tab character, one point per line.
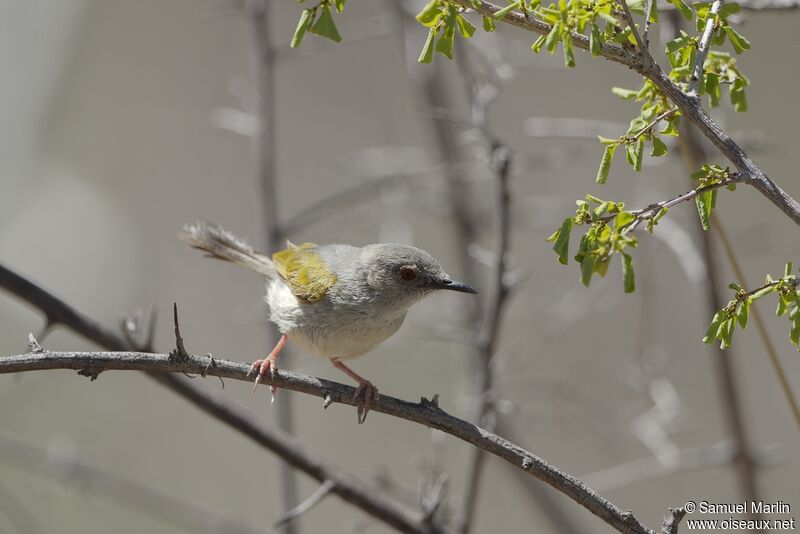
405	274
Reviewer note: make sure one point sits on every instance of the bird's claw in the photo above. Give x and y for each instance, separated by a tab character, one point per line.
267	364
370	394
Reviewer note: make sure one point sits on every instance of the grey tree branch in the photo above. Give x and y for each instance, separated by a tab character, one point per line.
349	488
702	50
424	412
689	106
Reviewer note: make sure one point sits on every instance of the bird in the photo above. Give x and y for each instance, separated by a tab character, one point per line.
337	301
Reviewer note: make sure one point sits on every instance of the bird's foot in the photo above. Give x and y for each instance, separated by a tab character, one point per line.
370	395
270	364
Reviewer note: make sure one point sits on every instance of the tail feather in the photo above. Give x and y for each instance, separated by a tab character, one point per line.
219	243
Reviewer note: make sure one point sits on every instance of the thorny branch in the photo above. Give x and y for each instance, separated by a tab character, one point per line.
689	106
424	412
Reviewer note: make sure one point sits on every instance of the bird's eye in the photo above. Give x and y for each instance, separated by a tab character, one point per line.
408	273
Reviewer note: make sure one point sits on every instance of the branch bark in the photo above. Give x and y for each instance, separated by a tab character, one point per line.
689	105
425	412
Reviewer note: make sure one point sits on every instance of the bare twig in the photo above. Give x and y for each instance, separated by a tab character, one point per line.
641	42
689	106
652	210
702	50
314	499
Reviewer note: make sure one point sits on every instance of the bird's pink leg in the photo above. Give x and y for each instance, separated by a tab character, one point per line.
364	386
269	363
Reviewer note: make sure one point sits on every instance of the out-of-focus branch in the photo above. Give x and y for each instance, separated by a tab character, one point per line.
87	477
425	412
266	153
500	166
349	488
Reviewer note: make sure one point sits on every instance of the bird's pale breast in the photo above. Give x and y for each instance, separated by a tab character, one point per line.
328	329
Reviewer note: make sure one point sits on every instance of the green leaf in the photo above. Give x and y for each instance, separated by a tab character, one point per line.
627	94
678	44
488	24
713	328
794	335
538	44
569	56
595	41
684	10
465	27
446	42
325	26
659	148
605	163
587	268
561	245
638	152
783	305
738	98
788	268
501	13
339	4
426	56
727	333
430	14
729	8
743	313
739	42
671	128
703	201
628	278
551	41
302	26
712	88
623	219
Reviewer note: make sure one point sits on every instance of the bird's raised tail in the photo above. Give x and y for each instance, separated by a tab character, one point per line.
219	243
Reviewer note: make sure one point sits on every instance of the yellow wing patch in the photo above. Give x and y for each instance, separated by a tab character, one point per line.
303	269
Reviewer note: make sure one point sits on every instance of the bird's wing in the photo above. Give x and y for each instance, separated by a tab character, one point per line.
304	271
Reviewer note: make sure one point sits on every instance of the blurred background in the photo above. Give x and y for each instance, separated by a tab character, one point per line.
124	120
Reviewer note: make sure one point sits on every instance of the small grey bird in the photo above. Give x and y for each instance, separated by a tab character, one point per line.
337	301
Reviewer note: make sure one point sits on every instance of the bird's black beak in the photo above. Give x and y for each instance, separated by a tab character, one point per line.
454	285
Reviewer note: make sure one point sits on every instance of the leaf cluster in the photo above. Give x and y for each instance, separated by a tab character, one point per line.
737	311
607	234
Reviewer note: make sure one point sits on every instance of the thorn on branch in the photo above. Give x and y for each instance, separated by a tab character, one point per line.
211	363
527	463
180	351
327	401
33	345
91	373
323	491
432	404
